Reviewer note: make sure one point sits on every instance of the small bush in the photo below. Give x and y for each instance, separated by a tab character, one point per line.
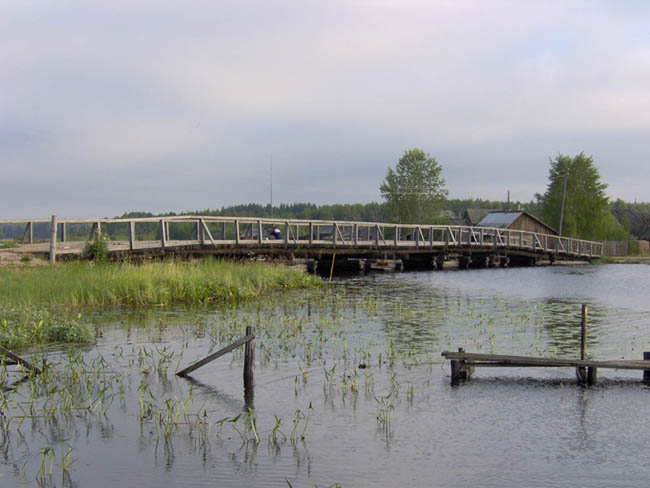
633	247
26	259
97	251
9	243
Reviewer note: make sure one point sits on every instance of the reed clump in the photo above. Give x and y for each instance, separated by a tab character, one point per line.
90	285
29	326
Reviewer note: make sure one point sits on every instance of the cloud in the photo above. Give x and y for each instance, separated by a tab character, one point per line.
108	107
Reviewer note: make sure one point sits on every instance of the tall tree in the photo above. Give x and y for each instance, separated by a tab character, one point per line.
575	198
414	190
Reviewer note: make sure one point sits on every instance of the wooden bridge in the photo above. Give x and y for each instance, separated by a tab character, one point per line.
346	245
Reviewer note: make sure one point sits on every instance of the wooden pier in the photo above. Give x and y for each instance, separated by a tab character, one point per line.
356	245
464	363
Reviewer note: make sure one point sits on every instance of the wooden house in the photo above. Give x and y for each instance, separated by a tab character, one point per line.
516	220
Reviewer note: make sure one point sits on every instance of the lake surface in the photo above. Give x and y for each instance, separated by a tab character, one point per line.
116	415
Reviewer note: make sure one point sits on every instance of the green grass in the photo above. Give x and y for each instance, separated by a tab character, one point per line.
84	285
39	305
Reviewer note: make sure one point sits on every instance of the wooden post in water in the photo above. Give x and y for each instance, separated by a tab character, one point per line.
592	375
646	372
583	333
53	240
249	368
455	372
583	374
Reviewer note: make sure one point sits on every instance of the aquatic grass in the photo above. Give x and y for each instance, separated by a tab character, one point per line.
31	326
84	284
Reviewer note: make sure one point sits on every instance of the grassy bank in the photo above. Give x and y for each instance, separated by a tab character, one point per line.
83	285
34	300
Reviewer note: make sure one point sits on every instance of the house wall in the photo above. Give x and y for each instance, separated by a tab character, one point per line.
524	222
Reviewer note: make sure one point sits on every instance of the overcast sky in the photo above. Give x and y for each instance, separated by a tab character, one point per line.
112	106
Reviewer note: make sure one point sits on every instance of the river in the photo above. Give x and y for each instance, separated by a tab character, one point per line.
353	374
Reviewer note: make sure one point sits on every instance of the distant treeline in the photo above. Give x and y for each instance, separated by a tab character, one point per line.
367	212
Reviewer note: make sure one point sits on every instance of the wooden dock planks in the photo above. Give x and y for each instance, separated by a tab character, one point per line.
463	364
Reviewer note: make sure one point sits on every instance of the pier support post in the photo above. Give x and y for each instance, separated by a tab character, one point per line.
583	333
646	372
455	372
592	376
460	371
582	373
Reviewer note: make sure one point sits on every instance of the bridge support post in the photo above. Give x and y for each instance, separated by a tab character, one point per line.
53	240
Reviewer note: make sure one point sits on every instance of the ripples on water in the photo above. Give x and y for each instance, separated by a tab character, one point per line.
506	428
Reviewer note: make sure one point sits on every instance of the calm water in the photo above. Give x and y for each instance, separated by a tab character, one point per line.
396	422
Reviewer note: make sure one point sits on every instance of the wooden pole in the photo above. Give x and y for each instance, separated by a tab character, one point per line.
583	374
19	360
132	234
583	333
163	239
63	232
249	368
646	372
332	266
53	240
215	355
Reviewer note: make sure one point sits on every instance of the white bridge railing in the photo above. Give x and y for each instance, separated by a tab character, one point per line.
163	232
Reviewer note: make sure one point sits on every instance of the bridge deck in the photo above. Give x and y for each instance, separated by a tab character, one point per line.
241	235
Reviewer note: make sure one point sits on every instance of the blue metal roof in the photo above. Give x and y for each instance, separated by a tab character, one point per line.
499	219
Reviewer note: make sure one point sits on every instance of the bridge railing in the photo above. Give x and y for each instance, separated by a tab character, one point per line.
245	231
